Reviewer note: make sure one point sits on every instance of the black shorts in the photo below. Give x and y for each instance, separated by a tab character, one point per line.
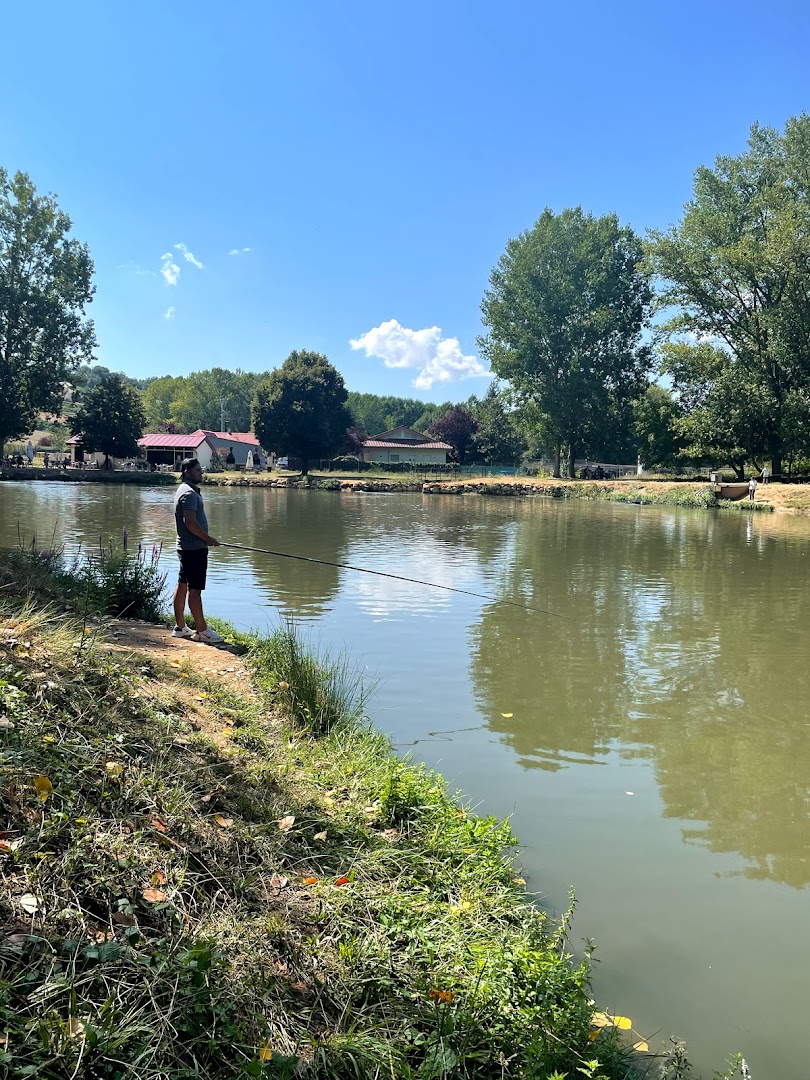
193	568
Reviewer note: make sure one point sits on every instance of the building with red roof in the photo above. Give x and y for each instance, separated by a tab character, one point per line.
405	444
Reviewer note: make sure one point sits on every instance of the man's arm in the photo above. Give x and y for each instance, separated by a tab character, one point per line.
193	526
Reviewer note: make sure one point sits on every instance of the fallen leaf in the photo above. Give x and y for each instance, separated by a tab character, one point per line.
223	822
29	903
275	787
284	686
622	1022
600	1020
320	835
207	798
278	881
120	918
114	769
286	823
183	674
310	881
202	696
266	1052
443	996
593	1034
159	824
154	896
343	880
391	835
641	1046
6	725
519	880
175	663
75	1027
43	788
158	878
507	715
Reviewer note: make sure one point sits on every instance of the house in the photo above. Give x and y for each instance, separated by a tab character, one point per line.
80	456
243	444
160	449
405	444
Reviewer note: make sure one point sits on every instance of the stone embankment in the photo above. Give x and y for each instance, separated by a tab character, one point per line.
555	491
316	483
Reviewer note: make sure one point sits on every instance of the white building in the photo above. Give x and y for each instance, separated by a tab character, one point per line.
405	444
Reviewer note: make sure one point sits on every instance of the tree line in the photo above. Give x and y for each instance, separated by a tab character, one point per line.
690	345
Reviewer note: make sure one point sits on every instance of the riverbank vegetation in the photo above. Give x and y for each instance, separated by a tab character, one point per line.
208	879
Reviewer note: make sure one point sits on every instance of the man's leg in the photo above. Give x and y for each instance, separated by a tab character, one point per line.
196	607
180	593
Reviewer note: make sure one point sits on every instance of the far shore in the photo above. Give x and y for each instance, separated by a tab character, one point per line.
776	498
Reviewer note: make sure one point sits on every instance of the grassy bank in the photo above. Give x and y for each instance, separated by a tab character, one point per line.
214	867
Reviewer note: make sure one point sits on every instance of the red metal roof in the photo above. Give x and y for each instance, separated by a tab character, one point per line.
158	440
404	444
235	436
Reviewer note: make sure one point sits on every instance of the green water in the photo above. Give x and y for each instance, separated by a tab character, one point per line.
656	754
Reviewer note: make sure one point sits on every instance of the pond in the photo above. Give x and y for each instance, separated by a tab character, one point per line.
647	731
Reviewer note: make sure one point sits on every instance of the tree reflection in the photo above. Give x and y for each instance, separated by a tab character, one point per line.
685	645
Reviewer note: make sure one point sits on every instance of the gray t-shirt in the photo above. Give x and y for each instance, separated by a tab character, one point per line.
189	498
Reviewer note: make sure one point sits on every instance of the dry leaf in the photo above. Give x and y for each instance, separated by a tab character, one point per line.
600	1020
159	824
275	787
29	903
6	725
43	788
278	881
443	996
114	769
266	1052
120	918
154	896
286	823
223	822
158	878
207	798
310	881
343	880
641	1046
284	686
320	835
391	835
75	1027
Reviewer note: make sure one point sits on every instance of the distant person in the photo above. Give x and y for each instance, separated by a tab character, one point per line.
766	472
46	460
193	542
752	488
257	461
230	459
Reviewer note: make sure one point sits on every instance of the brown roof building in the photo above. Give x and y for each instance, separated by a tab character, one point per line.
405	444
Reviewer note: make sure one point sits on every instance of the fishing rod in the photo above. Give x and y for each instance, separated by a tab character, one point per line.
396	577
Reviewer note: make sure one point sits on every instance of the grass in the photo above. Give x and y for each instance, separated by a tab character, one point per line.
216	879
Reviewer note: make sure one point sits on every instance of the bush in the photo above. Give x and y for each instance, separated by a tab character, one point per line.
124	585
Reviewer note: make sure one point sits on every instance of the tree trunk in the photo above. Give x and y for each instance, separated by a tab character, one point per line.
557	462
304	466
776	456
571	460
739	470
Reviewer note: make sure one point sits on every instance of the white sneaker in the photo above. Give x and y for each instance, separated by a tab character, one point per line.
209	636
183	631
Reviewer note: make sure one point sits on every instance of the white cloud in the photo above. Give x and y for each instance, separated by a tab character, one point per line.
169	268
239	251
169	313
188	255
437	359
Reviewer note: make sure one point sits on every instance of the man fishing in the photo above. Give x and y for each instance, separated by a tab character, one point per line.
193	542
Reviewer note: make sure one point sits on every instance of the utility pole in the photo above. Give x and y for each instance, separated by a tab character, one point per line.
222	414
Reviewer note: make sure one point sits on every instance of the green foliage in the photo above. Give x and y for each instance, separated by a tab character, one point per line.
45	285
300	409
200	398
737	269
565	309
110	419
375	413
458	427
498	438
655	428
158	397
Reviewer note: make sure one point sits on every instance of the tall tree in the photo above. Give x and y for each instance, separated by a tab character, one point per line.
566	307
737	269
300	409
45	284
158	397
498	438
205	398
457	426
376	413
110	419
655	427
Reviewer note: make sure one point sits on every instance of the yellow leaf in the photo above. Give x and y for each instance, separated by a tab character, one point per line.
519	880
223	822
48	739
266	1052
443	996
593	1034
114	769
623	1022
507	715
319	835
154	896
184	674
43	788
310	881
284	686
641	1046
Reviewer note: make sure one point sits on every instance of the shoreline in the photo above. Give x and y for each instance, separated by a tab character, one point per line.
229	820
793	499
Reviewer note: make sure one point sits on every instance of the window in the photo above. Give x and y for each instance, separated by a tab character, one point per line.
393	457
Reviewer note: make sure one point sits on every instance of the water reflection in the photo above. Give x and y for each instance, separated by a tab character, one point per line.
676	652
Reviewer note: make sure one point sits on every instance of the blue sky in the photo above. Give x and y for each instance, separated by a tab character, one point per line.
374	157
